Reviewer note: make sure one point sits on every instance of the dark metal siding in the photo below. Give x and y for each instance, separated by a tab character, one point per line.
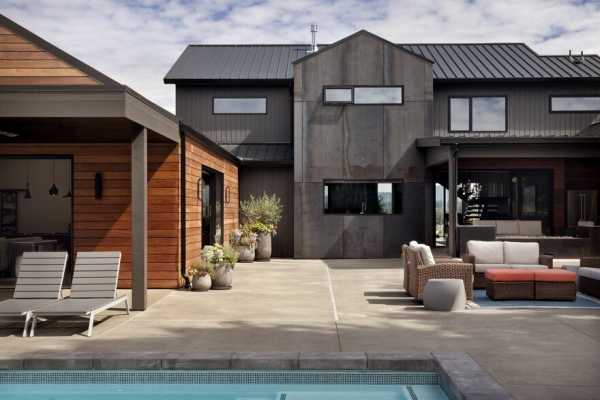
273	180
194	108
528	107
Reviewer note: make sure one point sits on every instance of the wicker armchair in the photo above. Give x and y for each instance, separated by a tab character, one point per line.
417	274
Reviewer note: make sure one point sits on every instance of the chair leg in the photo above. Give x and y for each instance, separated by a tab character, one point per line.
27	319
33	326
91	325
127	305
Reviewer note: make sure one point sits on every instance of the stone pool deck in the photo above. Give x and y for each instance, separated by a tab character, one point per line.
338	306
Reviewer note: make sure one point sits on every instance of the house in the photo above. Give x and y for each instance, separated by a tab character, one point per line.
371	143
89	164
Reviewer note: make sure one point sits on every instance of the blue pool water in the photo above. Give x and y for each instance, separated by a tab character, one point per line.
218	385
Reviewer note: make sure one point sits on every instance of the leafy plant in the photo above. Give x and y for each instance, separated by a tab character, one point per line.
243	237
200	269
229	255
213	254
262	214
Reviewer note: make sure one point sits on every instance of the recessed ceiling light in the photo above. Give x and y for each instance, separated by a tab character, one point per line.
8	134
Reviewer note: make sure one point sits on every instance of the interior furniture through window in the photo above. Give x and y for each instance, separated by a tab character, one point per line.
363	197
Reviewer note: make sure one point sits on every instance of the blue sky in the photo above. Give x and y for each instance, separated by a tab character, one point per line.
136	41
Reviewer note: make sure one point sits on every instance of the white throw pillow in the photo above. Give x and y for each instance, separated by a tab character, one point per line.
521	253
486	252
426	254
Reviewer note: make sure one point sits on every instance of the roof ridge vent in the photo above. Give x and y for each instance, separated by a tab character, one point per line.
575	59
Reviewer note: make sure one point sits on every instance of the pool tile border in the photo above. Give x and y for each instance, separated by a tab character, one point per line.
460	376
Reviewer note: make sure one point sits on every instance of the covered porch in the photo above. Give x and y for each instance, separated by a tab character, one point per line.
529	189
118	160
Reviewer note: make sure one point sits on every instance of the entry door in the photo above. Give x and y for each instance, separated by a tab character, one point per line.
212	207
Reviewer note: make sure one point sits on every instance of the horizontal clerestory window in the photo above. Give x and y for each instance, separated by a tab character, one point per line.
239	105
382	95
574	103
362	197
477	114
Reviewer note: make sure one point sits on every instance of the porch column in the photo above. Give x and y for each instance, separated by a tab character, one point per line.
139	220
452	182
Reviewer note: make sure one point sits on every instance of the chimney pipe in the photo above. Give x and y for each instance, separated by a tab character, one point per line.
313	31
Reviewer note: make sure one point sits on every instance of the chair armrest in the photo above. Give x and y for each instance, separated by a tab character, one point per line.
546	260
468	258
590	262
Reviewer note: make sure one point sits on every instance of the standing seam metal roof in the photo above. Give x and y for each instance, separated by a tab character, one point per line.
452	61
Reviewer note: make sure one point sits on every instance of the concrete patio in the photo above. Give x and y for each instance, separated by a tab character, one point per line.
341	305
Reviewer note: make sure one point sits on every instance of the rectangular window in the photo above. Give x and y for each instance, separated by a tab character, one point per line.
232	105
574	103
337	95
477	114
363	95
363	198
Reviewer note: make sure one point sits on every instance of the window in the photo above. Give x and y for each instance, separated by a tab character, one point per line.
574	104
363	198
232	105
363	95
477	114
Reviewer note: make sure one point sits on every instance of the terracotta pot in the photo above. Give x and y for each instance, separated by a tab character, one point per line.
245	253
223	277
263	247
201	283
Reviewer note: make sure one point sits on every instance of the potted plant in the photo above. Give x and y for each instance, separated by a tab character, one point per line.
262	214
222	259
200	275
243	242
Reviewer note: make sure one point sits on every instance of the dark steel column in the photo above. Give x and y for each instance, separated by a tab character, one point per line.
139	220
452	182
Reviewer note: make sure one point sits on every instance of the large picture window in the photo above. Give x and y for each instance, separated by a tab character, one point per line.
240	105
363	198
335	95
574	103
477	114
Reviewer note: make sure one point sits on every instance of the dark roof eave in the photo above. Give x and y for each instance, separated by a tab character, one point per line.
217	82
447	141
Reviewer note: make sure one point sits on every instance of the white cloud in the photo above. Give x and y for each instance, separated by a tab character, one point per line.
135	42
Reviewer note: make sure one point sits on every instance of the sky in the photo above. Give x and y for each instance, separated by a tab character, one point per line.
136	41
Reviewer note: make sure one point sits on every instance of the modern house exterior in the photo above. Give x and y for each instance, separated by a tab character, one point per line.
124	174
373	144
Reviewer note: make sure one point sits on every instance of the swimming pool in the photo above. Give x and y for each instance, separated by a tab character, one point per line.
219	385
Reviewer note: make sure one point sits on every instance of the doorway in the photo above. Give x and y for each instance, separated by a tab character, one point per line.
211	188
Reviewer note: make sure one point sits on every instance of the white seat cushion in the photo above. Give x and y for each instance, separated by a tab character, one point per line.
484	267
486	252
510	227
527	266
521	252
530	228
591	273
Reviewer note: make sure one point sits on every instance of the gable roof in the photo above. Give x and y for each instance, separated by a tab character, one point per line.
452	62
55	51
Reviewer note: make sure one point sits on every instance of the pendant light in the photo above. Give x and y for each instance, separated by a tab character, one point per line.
27	191
53	189
69	194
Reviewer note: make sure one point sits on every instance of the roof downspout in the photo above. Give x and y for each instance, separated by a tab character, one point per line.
183	171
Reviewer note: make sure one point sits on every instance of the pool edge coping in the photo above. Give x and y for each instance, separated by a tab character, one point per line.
460	376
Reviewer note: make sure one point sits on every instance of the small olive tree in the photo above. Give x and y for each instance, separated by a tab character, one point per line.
262	214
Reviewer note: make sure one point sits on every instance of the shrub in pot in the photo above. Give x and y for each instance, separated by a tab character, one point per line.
200	275
261	215
243	242
222	259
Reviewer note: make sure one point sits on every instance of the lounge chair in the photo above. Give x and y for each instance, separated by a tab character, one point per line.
39	284
94	289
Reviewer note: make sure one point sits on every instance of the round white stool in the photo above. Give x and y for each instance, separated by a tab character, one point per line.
445	295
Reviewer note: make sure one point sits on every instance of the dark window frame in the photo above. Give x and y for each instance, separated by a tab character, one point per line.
470	98
551	111
376	181
352	87
241	97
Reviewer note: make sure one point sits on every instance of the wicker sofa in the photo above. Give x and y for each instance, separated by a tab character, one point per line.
484	255
416	273
589	276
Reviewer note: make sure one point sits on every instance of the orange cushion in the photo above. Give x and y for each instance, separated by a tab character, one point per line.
509	275
555	275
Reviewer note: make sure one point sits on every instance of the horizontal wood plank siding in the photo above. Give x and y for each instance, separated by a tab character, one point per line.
196	157
105	224
24	63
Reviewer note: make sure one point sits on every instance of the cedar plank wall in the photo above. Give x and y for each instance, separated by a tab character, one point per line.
23	63
196	156
105	224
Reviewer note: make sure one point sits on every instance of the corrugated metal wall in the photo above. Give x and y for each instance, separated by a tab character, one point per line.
528	107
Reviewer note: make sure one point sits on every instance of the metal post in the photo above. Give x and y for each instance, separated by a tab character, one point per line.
452	182
139	220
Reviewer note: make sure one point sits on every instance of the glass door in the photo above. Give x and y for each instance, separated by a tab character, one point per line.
212	206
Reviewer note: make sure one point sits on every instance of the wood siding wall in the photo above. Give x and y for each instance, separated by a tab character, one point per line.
527	107
105	224
196	157
194	107
24	63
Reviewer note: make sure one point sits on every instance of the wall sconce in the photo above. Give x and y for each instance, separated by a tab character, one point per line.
199	189
227	195
98	185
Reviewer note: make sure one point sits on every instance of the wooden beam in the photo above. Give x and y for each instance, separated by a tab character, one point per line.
139	220
452	194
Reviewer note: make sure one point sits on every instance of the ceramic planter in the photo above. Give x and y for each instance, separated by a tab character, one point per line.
263	247
223	277
201	283
245	253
